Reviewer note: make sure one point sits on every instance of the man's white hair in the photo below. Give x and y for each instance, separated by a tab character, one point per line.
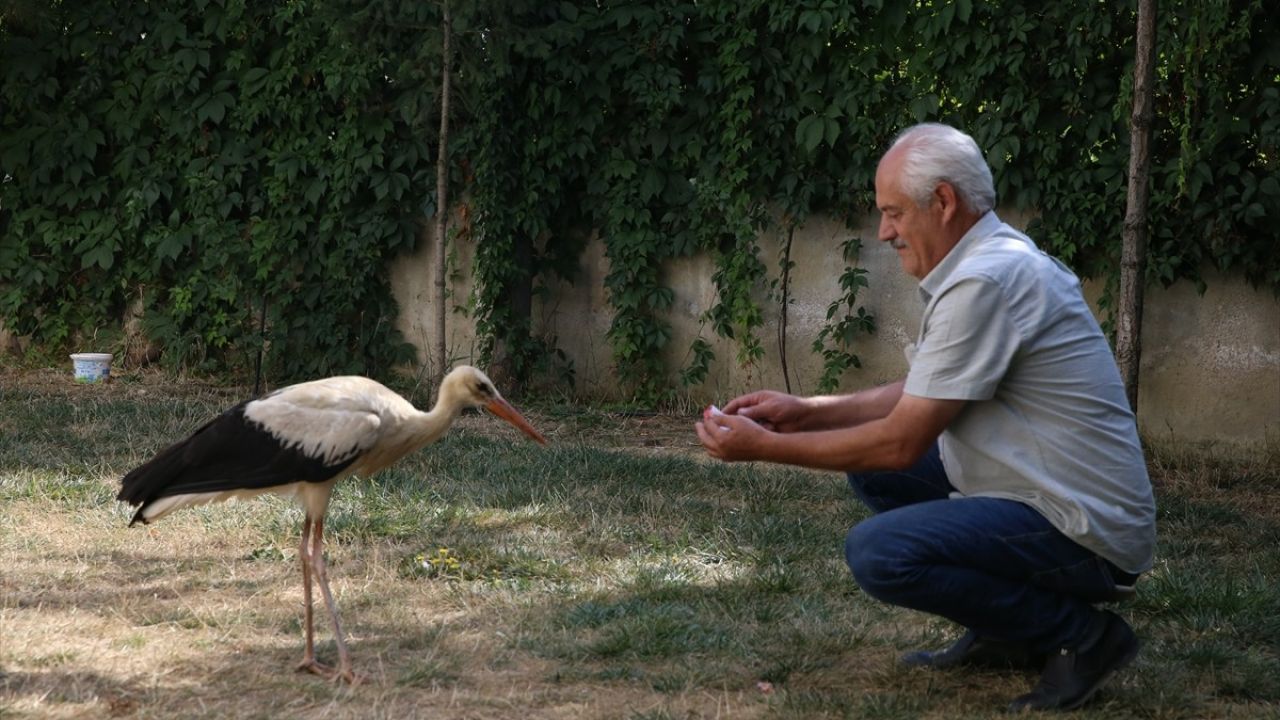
933	153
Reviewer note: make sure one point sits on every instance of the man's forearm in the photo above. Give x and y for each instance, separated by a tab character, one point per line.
893	442
842	411
867	446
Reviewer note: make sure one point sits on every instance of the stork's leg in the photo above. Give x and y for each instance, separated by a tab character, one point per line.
344	671
309	662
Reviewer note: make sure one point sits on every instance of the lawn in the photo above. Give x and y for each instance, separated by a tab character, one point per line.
615	573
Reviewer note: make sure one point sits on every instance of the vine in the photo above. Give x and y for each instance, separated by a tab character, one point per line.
726	196
846	321
165	149
219	157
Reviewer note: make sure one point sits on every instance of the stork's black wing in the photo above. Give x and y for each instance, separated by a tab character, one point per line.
228	453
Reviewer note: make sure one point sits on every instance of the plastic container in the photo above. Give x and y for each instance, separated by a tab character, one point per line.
92	367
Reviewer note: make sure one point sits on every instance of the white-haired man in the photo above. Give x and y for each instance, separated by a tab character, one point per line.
1008	485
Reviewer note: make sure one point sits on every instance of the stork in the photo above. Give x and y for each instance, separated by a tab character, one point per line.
300	441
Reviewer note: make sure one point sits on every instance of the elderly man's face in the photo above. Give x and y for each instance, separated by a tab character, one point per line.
914	231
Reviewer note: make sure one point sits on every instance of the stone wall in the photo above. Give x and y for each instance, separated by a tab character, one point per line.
1210	370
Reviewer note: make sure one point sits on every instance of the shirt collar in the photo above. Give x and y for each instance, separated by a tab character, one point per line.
932	283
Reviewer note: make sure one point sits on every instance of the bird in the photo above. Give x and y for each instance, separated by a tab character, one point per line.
301	440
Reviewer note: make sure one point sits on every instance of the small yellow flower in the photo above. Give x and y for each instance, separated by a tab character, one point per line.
443	562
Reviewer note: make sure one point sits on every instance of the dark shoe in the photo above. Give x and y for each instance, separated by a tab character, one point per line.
974	650
1071	677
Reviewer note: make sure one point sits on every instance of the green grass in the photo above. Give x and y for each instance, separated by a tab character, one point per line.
596	577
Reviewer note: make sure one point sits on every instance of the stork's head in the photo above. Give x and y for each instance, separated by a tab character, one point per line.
467	386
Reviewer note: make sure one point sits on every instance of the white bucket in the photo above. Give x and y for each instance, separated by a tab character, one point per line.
92	367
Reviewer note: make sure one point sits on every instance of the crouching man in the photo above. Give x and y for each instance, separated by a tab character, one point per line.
1005	472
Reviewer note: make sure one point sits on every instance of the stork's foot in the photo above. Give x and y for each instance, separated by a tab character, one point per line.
330	673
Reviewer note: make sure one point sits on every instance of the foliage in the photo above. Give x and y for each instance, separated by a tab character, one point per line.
1050	103
1223	108
206	158
213	157
845	322
692	128
669	129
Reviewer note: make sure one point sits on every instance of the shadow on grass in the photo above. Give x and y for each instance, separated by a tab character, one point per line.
60	688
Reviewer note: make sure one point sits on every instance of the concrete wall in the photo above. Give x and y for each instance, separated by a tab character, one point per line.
1211	365
1210	371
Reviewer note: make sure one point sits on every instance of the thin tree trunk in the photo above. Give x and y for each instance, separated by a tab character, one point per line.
438	356
786	300
1133	254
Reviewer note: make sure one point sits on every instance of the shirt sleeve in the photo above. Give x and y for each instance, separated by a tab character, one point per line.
967	343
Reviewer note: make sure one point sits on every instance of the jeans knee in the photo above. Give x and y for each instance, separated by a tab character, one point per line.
873	569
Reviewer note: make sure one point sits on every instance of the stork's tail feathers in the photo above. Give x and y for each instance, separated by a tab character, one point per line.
145	483
157	477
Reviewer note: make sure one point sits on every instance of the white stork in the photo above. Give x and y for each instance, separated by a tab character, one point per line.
301	440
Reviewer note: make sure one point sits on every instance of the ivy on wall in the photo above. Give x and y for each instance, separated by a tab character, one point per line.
670	129
682	128
206	158
209	157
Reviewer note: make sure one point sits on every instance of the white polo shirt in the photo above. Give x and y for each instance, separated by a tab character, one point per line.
1006	327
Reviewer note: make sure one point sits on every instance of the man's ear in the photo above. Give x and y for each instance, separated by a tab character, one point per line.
945	195
947	200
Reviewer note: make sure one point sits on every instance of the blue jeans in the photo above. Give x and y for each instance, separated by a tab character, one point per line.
995	566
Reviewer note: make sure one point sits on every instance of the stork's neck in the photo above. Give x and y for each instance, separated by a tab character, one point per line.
427	427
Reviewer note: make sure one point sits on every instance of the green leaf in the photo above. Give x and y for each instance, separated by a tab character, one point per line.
831	131
924	106
100	255
254	79
652	184
214	108
945	14
169	247
315	189
809	132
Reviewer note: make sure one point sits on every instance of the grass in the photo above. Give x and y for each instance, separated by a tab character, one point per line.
613	574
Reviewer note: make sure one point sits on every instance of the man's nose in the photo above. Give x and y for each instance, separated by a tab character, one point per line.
886	232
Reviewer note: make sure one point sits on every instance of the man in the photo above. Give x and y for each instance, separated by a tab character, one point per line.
1005	470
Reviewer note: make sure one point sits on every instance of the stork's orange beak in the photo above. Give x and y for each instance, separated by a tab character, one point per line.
503	409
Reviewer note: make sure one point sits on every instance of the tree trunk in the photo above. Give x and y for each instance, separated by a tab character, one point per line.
438	356
783	307
1133	254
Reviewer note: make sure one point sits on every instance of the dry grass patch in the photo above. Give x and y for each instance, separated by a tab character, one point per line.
614	574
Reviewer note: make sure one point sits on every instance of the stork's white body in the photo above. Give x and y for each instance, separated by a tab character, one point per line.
301	440
330	421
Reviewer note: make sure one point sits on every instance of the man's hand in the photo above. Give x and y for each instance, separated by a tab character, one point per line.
773	410
731	438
